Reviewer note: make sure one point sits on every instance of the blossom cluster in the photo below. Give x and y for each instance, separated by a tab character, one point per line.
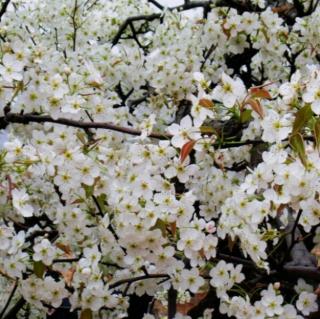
160	158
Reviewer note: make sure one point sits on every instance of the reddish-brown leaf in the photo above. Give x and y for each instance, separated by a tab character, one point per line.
66	249
195	300
283	8
260	92
68	276
173	227
206	103
256	106
231	243
186	150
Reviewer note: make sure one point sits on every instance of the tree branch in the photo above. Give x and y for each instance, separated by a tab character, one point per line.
172	302
29	118
129	20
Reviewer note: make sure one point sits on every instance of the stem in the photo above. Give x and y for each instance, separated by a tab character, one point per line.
15	286
75	27
293	236
15	309
3	9
157	4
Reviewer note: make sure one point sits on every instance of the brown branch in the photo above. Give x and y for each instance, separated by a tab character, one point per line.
32	118
303	271
29	118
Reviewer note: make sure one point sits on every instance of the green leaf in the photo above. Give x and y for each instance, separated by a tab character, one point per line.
316	131
101	201
39	268
207	130
88	189
160	224
297	144
208	104
246	116
260	93
302	117
86	314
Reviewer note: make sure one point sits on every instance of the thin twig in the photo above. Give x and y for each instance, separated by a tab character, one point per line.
15	286
207	56
129	20
186	6
3	9
12	313
157	4
75	26
134	279
65	260
293	236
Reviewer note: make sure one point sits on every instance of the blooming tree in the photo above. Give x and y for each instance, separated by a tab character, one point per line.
156	153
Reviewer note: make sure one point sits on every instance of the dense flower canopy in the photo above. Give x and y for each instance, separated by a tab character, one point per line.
155	152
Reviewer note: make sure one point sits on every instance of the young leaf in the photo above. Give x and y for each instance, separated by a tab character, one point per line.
260	92
186	149
173	228
204	129
68	275
184	308
86	314
316	131
66	249
206	103
246	116
297	144
39	268
302	117
256	106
